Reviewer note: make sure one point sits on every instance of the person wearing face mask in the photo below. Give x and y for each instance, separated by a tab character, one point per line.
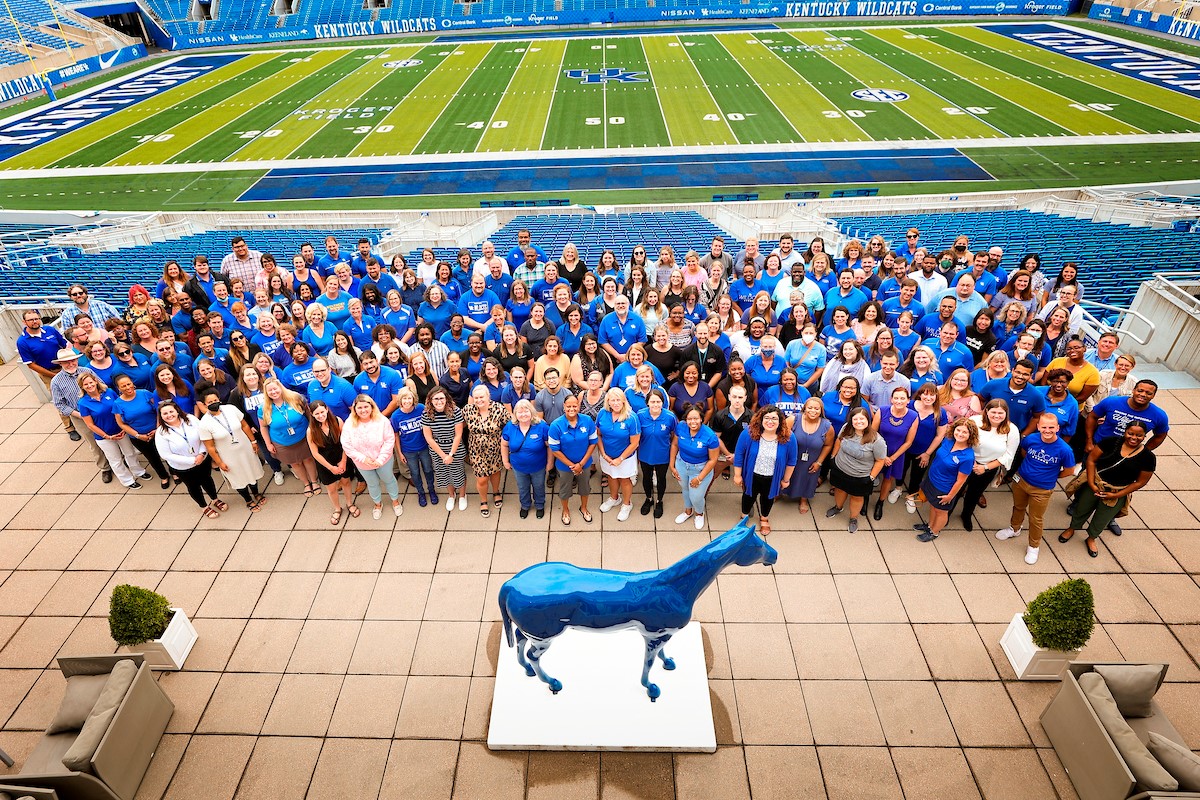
230	442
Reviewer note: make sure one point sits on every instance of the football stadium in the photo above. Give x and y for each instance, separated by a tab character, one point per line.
600	399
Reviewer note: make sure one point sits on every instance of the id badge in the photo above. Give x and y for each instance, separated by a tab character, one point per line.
804	456
291	431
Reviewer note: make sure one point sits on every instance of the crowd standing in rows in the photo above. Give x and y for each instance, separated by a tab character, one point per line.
883	371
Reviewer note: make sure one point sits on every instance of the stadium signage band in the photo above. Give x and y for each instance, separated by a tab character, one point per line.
1179	74
32	84
1140	18
45	124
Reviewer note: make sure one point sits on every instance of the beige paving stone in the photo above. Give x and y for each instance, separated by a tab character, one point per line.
905	554
870	598
156	549
22	591
37	641
186	590
265	646
579	547
14	685
496	774
162	768
325	646
804	551
988	597
457	597
1031	699
851	554
983	715
343	595
190	692
760	651
240	703
955	652
479	708
233	594
930	598
1179	701
772	712
256	551
749	598
632	551
1010	774
889	652
1154	643
349	768
712	775
399	595
842	713
518	548
204	551
825	652
384	648
105	549
716	651
445	648
56	549
781	772
72	594
413	551
466	551
433	708
969	554
934	773
367	706
211	767
912	714
35	711
1118	599
288	595
854	773
636	776
727	725
1058	775
1142	553
361	551
1176	598
1183	547
563	776
303	705
307	551
280	768
420	768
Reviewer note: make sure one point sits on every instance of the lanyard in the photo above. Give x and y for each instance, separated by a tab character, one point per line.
182	432
220	417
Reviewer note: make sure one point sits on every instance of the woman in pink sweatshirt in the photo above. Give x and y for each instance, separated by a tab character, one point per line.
370	442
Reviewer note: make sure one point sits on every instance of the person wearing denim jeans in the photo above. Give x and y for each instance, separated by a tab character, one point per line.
524	445
412	447
369	441
694	457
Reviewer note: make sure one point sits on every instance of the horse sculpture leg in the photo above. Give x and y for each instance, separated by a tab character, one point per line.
654	646
521	639
538	648
668	663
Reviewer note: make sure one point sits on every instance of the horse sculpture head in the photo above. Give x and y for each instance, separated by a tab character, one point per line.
753	548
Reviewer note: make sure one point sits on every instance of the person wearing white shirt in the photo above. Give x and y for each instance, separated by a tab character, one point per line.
1066	299
930	282
483	266
787	252
994	453
179	443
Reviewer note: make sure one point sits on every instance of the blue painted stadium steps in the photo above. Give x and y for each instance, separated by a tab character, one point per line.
623	172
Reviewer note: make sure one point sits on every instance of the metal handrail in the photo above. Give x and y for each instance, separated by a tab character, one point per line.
1170	282
1122	313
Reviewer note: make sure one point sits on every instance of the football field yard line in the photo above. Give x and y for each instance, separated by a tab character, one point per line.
1023	93
474	104
189	132
360	82
684	98
900	49
87	135
509	93
337	139
1177	104
921	103
415	114
796	99
1093	122
576	100
635	103
526	104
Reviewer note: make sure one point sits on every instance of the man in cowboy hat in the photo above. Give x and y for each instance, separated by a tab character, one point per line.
65	394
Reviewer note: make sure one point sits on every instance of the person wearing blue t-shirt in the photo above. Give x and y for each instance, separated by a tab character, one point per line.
658	425
743	292
543	291
456	338
335	392
573	440
1047	459
930	325
437	310
516	256
625	375
525	447
358	261
375	275
1110	416
766	367
413	447
336	303
136	412
1060	402
693	463
327	263
476	305
403	319
949	468
378	382
846	294
297	375
617	426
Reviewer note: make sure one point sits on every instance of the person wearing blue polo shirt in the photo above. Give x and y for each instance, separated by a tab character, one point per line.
621	330
617	425
573	439
905	301
437	309
654	450
693	461
335	301
327	263
846	293
1025	402
1060	402
525	447
378	382
267	337
1110	416
930	325
1047	459
375	274
360	326
516	256
476	305
136	412
766	367
743	292
401	317
985	282
968	302
358	261
498	281
38	346
336	392
951	353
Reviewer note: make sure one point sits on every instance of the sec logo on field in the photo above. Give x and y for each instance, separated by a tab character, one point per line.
408	62
879	95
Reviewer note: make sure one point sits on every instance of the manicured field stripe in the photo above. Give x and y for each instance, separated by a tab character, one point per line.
903	52
200	127
922	105
299	127
881	123
475	104
737	94
1045	90
796	97
635	103
527	103
684	98
342	135
236	76
576	101
264	115
414	115
1179	110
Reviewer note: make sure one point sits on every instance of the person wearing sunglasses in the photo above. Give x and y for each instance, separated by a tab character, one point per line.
98	311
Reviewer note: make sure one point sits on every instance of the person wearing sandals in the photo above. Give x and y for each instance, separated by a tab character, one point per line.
412	448
179	445
485	419
573	440
230	442
952	463
284	428
370	442
525	448
442	424
858	458
763	464
334	468
1115	468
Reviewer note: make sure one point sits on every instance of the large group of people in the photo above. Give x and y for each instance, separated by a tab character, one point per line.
879	372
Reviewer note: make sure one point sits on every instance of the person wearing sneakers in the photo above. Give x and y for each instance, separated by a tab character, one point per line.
620	435
65	394
693	460
370	442
859	454
764	462
1047	458
657	425
949	469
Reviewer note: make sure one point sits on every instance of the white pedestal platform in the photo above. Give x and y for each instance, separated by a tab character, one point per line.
603	705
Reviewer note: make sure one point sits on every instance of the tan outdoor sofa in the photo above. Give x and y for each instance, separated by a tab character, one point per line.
126	744
1087	752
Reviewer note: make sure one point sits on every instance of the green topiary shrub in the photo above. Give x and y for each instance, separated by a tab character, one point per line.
137	615
1062	617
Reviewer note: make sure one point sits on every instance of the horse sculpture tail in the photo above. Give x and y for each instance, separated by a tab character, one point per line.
504	617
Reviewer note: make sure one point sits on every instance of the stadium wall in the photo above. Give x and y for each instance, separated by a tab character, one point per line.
30	84
1172	18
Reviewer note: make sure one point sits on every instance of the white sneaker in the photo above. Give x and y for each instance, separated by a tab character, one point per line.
399	509
376	512
279	478
462	503
1031	554
1007	533
450	503
608	505
910	505
682	518
623	514
894	495
700	522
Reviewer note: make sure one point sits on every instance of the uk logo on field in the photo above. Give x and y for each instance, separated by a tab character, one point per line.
609	74
879	95
408	62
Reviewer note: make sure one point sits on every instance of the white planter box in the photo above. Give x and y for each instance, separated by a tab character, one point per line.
172	649
1030	662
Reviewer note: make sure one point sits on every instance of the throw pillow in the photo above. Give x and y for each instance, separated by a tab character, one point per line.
1132	686
116	687
78	701
1149	774
79	757
1182	763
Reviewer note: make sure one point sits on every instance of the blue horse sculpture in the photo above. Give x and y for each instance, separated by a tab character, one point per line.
545	599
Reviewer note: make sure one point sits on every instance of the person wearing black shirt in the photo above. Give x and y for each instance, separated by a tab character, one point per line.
709	356
1116	468
728	424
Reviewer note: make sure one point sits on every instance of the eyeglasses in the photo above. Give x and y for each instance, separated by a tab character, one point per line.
639	252
911	235
123	353
78	294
